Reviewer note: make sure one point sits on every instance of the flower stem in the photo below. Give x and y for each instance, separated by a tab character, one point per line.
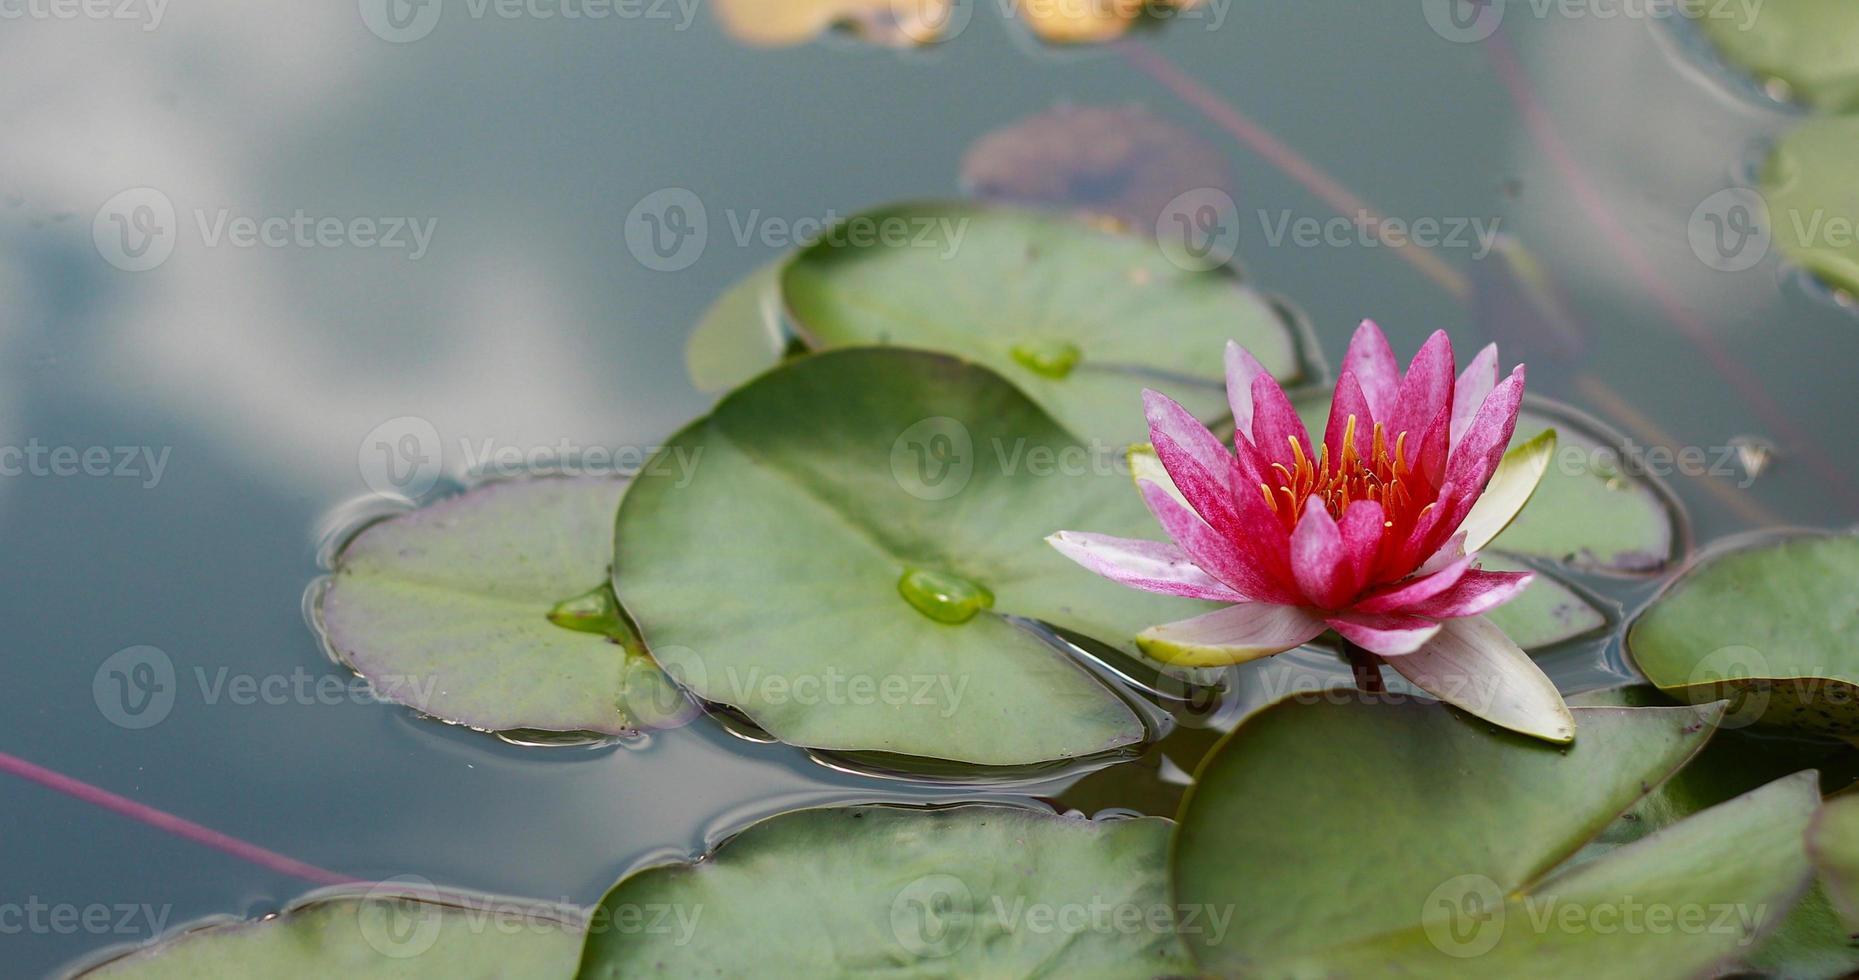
1367	668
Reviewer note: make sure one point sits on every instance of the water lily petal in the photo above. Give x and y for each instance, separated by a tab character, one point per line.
1236	634
1475	382
1362	528
1153	566
1477	592
1473	665
1319	561
1251	573
1372	361
1510	488
1349	415
1242	370
1427	452
1426	388
1383	634
1275	424
1477	455
1196	460
1420	588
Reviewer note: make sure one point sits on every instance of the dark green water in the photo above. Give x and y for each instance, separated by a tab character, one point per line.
528	322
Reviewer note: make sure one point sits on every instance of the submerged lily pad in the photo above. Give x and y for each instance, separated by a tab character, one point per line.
404	937
775	578
1456	873
1810	47
1006	287
1547	613
740	335
1807	184
968	891
481	609
1770	625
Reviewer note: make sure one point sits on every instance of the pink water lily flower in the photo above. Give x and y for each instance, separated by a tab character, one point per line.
1373	532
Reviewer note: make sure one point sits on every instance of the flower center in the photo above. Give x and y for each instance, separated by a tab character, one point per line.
1349	477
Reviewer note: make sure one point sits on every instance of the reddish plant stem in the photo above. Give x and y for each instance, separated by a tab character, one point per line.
1367	668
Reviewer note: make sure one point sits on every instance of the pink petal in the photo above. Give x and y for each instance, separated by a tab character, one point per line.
1275	424
1246	571
1477	593
1196	460
1242	369
1363	526
1372	361
1348	404
1232	635
1428	450
1473	665
1152	566
1400	559
1403	595
1478	453
1319	561
1426	388
1475	382
1385	634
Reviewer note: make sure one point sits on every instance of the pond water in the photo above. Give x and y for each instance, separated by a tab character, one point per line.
233	389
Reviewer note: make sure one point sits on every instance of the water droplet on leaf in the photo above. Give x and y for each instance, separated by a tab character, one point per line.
943	597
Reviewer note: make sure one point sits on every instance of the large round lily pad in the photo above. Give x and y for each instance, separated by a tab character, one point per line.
1356	839
1810	46
1771	625
486	609
970	891
1807	184
844	561
1081	318
373	937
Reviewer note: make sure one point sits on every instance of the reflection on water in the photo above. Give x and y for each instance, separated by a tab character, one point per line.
533	322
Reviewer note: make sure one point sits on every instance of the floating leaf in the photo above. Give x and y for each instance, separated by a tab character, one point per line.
782	23
740	335
1456	873
1770	625
874	890
378	935
476	610
1833	841
1809	47
838	495
1123	162
999	285
1807	185
1810	944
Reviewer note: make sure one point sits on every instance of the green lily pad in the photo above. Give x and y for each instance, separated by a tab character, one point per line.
404	937
1079	317
1547	613
1591	511
740	335
1770	625
1807	185
1457	872
1833	843
1811	943
1811	47
968	891
844	563
477	610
